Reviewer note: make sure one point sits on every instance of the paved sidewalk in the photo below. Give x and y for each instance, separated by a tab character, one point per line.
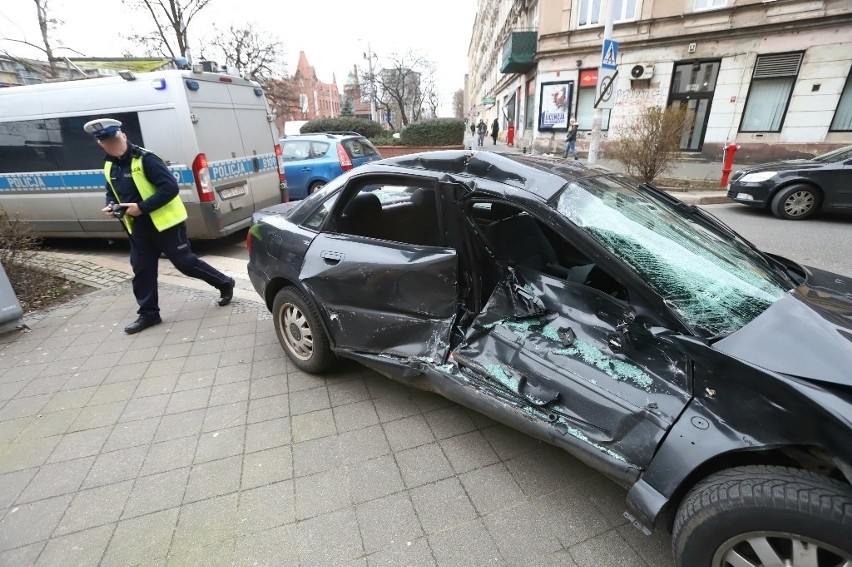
196	443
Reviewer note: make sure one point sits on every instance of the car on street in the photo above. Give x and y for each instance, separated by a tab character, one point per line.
638	333
312	160
796	189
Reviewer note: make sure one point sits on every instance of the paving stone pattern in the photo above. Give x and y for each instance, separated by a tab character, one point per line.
196	443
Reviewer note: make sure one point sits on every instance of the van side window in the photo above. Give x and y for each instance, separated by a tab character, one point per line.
57	144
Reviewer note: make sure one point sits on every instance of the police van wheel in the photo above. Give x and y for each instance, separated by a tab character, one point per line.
315	186
300	332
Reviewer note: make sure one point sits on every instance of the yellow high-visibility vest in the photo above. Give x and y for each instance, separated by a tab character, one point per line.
167	216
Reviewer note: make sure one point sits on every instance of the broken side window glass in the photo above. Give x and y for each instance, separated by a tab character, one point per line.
717	284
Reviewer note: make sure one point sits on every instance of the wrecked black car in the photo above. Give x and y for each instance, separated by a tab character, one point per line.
642	335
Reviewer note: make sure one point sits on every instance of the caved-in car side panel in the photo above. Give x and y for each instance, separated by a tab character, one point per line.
383	297
595	376
738	407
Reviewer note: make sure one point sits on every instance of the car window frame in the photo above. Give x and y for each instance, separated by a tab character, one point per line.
354	185
474	200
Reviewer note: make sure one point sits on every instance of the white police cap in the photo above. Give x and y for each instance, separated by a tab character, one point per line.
102	128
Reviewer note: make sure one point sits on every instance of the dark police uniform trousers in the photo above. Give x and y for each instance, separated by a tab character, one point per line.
146	242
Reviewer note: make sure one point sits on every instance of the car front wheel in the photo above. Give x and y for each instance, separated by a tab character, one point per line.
758	516
300	333
796	202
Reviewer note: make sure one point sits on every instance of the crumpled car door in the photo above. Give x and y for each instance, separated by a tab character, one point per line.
386	298
579	362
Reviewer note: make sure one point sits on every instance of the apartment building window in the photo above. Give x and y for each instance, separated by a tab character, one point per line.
593	12
699	5
843	115
586	101
769	94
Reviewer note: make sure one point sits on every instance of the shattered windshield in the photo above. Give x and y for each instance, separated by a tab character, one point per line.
716	283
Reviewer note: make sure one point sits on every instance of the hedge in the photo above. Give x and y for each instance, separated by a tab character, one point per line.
366	128
437	132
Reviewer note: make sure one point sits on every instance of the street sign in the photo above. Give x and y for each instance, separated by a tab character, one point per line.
609	54
605	92
488	101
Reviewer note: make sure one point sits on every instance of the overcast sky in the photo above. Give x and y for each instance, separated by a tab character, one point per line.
327	30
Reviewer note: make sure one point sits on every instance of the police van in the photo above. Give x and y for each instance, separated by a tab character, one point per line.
215	131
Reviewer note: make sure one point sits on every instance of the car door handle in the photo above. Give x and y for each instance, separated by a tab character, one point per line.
331	258
306	169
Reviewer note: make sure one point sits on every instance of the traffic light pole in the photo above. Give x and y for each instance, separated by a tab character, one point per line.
597	120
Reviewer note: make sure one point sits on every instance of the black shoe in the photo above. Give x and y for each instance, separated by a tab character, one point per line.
141	324
226	293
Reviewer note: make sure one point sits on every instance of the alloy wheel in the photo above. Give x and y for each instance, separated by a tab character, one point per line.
296	331
799	203
778	549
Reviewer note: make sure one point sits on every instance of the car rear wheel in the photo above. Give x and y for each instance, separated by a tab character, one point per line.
796	202
764	515
315	186
300	332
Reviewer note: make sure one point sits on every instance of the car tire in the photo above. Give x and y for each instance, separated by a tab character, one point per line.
315	186
796	202
300	332
775	507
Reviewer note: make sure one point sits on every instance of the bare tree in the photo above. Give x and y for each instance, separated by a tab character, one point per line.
458	103
254	54
283	97
648	143
171	19
429	89
403	85
46	25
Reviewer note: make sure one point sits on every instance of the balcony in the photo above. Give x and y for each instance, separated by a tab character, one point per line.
519	52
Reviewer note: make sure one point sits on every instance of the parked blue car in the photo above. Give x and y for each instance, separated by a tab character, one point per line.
312	160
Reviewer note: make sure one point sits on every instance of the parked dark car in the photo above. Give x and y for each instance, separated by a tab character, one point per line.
796	189
649	340
312	160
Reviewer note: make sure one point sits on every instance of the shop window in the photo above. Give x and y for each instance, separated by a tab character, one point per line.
771	86
586	101
529	110
843	115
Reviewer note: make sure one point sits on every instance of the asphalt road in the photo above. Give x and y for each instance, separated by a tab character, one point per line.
822	242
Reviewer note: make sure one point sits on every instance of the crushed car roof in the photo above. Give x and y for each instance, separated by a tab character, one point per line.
543	176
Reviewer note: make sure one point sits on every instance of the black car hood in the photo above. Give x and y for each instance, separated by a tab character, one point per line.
807	333
787	165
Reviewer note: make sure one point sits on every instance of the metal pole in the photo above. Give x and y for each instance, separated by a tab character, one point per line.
372	84
597	120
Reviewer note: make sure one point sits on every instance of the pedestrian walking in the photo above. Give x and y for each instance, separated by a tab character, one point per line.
472	128
481	130
495	129
154	216
571	140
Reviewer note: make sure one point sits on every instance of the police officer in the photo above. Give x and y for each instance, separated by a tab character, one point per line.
151	210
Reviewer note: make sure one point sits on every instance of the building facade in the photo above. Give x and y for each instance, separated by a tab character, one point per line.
316	98
770	75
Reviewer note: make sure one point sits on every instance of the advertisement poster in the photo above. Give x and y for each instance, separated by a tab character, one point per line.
555	105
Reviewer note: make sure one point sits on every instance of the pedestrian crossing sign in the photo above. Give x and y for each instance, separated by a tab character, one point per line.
609	54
